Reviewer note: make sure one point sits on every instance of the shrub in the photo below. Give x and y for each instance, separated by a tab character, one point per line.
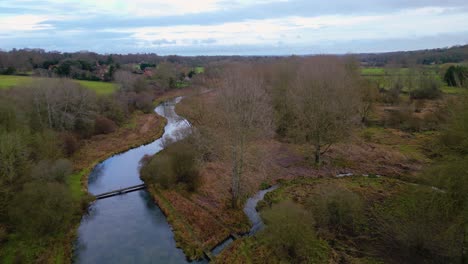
392	96
41	209
85	127
52	171
337	209
103	125
9	71
70	144
429	88
456	76
111	108
290	235
3	233
175	165
418	226
144	102
403	119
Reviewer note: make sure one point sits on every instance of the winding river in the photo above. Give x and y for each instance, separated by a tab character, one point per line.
130	228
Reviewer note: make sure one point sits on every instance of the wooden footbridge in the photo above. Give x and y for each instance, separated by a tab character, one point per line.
120	191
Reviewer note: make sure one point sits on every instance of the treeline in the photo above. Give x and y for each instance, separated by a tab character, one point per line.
454	54
93	66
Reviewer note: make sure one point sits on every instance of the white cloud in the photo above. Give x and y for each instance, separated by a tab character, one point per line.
154	8
23	23
313	30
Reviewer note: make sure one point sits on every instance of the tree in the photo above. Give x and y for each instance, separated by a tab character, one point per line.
325	100
420	225
337	209
41	208
427	86
369	94
246	114
62	105
290	234
456	76
177	164
281	77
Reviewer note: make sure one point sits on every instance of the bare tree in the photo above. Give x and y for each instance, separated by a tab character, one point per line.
126	80
62	104
325	100
245	108
369	94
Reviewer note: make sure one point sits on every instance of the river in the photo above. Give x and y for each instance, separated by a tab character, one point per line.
129	228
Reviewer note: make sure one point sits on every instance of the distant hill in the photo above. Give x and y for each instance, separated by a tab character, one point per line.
455	54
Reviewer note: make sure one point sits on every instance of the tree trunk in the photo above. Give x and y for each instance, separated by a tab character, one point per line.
234	180
237	168
318	159
464	257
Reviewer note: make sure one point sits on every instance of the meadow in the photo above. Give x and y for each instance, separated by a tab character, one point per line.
385	76
101	88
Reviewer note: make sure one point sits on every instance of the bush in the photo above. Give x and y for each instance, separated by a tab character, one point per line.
392	96
175	165
403	119
418	226
111	108
9	71
41	209
52	171
70	144
337	209
3	233
144	102
456	76
290	235
429	89
103	125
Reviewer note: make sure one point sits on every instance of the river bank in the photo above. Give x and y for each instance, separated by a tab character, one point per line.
141	129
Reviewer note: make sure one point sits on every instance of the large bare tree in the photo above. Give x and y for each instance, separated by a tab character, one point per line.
325	100
246	114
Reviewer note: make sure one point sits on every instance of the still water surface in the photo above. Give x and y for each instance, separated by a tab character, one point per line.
129	228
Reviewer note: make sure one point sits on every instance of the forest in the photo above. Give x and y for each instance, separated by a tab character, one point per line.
369	153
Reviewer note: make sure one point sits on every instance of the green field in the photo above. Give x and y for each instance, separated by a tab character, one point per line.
199	70
383	77
99	87
9	81
373	71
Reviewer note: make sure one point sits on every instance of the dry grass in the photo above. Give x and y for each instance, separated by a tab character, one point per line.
203	219
146	128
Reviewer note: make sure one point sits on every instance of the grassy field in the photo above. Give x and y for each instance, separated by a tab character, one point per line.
101	88
383	77
373	71
199	70
9	81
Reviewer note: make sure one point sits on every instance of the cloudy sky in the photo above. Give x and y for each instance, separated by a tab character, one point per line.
243	27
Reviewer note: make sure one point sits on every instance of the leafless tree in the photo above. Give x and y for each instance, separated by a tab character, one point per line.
61	104
325	100
369	94
245	109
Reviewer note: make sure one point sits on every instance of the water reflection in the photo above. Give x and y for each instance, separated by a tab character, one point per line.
128	228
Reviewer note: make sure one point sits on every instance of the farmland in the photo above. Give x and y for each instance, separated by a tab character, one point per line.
101	88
